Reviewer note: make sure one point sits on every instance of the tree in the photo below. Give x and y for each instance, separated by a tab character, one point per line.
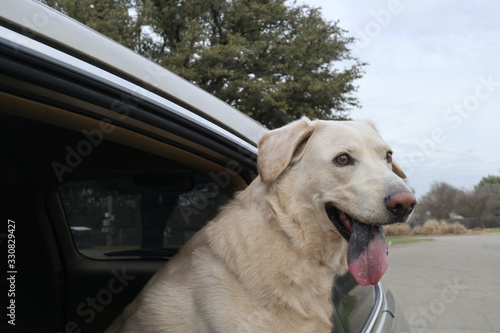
490	179
486	201
442	199
487	196
274	61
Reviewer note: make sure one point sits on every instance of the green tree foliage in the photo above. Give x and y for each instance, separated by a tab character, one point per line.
489	180
274	61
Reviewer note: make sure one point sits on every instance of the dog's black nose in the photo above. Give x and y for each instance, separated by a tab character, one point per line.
401	204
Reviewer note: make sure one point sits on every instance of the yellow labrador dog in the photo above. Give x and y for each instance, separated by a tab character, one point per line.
267	262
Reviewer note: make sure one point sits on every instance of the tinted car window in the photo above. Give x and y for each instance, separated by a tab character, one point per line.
142	216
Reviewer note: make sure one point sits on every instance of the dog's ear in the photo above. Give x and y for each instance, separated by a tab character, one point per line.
278	147
397	170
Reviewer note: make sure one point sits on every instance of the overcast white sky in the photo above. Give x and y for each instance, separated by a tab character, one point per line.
432	85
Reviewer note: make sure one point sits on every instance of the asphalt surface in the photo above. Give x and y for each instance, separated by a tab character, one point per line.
450	284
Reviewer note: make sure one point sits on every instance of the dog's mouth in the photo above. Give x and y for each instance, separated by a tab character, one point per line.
341	220
367	249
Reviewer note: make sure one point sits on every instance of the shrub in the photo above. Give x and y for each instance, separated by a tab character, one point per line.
397	230
431	227
417	231
456	228
443	227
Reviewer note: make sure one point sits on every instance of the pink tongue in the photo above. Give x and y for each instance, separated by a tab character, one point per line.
367	253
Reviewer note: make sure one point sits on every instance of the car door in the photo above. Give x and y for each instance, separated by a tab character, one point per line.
102	178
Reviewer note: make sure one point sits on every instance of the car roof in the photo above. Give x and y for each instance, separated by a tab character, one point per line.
47	25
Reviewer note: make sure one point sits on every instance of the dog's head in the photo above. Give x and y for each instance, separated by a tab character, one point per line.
347	172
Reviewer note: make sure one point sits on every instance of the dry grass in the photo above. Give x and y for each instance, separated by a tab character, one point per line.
397	230
418	230
430	227
443	228
456	228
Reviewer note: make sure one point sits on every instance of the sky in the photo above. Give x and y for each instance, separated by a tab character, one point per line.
432	84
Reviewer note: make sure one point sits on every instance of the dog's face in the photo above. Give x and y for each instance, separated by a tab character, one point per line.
347	172
357	172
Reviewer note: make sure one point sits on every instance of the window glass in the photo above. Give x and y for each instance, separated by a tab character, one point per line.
353	304
140	217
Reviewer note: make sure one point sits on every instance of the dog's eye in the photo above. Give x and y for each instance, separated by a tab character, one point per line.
388	156
343	159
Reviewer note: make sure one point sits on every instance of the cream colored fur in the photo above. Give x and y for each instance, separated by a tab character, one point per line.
266	263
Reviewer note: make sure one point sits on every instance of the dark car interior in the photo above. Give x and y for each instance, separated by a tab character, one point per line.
98	206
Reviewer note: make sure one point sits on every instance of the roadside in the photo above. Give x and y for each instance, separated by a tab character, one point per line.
449	284
393	237
404	240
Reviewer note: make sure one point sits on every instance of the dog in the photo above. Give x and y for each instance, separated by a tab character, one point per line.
267	262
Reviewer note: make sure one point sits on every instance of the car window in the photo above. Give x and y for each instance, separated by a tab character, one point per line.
141	216
353	304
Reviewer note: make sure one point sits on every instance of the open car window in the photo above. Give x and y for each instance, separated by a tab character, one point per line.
148	217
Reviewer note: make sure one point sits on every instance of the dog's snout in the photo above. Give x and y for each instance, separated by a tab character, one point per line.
401	204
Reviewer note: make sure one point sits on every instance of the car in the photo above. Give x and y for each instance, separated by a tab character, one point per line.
109	163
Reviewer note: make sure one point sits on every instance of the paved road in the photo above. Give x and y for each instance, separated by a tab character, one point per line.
451	284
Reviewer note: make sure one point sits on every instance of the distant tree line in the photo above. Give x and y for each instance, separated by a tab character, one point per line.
444	199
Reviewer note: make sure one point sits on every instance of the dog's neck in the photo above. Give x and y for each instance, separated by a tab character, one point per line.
301	260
